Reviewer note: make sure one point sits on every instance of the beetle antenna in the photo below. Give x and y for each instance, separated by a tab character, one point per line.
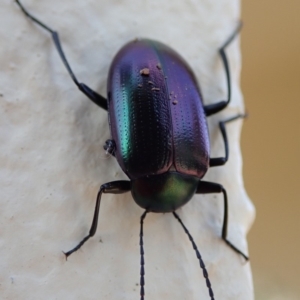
202	265
142	270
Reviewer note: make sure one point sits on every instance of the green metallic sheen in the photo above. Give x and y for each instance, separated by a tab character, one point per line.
165	192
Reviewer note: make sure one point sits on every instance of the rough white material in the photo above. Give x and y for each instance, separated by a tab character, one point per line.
52	160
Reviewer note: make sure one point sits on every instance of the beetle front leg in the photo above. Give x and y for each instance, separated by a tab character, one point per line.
205	187
114	187
220	161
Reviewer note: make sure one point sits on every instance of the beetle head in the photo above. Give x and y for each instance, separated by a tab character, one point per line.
164	192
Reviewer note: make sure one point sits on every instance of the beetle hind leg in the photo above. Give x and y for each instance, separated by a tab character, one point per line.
92	95
216	107
205	187
114	187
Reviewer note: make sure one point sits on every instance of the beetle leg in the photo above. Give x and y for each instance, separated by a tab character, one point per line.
205	187
114	187
202	265
220	161
95	97
216	107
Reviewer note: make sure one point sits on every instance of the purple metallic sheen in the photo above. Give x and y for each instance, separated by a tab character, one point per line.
157	120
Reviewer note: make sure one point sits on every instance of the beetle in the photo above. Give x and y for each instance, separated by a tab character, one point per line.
159	132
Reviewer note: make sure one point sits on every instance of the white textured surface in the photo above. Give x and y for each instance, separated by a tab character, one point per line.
52	161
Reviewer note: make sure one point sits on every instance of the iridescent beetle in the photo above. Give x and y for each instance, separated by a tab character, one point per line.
159	132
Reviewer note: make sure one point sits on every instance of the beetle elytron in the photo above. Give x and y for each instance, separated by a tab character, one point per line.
159	132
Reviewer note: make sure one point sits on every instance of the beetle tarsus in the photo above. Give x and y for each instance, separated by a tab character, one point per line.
236	249
67	254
